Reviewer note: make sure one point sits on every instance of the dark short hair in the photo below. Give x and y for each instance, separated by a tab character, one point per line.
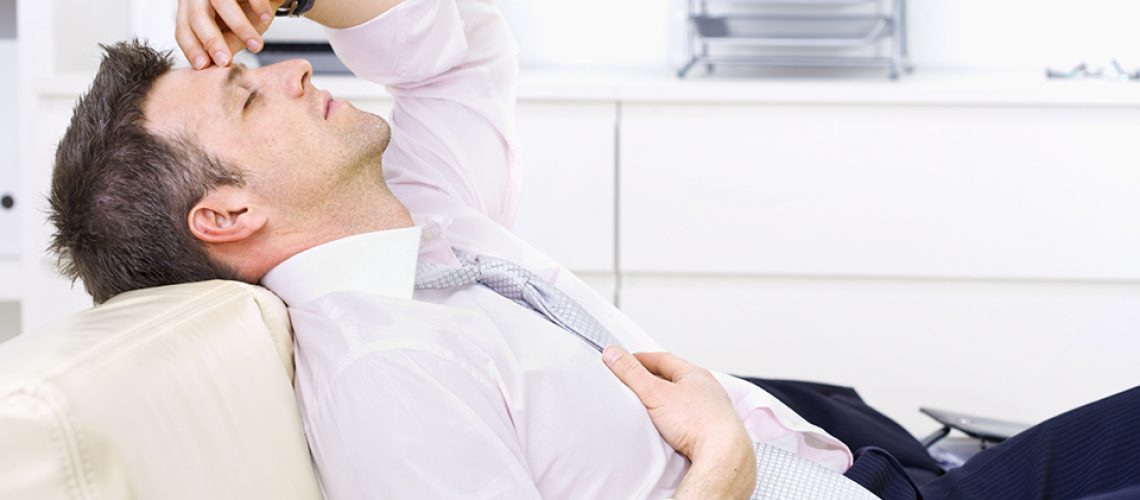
120	195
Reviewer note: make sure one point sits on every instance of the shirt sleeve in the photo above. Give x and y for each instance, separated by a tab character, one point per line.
768	420
409	424
451	66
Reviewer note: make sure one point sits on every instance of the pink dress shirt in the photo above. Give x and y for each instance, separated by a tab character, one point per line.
462	393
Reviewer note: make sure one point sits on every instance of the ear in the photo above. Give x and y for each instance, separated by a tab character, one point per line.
225	215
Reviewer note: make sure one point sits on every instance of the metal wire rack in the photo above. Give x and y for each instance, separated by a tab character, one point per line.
780	38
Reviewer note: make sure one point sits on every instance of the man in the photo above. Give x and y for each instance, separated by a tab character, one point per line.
168	176
407	388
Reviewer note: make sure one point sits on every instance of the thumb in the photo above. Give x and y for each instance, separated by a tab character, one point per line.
633	374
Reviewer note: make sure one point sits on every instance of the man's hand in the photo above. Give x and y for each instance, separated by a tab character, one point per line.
693	413
214	30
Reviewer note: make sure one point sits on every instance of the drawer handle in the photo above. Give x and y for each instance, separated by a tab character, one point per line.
7	201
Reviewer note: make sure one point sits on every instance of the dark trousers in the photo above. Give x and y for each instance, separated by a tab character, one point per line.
1092	452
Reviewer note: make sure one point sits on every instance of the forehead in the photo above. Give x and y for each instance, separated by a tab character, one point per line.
183	99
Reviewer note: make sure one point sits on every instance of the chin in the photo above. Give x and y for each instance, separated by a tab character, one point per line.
371	134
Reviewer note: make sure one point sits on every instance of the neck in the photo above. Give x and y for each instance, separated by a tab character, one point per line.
341	216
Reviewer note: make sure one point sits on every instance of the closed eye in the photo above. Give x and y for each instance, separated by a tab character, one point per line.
252	95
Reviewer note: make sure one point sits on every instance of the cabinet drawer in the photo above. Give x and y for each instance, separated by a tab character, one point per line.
567	204
1023	351
1009	192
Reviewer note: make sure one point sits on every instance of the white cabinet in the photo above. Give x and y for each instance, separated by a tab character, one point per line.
9	119
968	257
9	201
1000	192
1019	350
567	208
568	197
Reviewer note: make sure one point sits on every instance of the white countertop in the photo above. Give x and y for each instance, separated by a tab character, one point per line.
921	88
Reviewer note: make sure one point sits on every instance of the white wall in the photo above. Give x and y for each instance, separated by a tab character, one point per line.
957	34
1024	34
80	29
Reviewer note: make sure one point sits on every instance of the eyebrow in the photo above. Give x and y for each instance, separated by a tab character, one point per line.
234	74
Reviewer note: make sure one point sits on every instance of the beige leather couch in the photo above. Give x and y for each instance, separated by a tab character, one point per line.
179	392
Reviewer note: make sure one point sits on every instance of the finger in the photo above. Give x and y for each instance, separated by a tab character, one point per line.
233	43
188	41
665	365
258	20
235	20
264	12
629	370
208	33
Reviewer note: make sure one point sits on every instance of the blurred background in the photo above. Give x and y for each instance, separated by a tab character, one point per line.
962	235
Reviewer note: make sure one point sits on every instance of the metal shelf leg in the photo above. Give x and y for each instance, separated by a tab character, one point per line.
688	66
904	32
898	43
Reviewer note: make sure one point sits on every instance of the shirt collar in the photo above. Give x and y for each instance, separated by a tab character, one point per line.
383	263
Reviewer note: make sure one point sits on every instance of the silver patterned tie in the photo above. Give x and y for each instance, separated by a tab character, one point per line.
520	285
783	475
780	474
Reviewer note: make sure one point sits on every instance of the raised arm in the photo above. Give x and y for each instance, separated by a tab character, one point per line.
451	67
348	13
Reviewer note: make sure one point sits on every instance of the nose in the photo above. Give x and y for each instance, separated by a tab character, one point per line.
294	75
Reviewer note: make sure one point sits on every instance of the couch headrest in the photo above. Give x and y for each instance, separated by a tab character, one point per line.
173	392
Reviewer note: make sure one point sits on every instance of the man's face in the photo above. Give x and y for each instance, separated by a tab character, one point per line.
297	144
